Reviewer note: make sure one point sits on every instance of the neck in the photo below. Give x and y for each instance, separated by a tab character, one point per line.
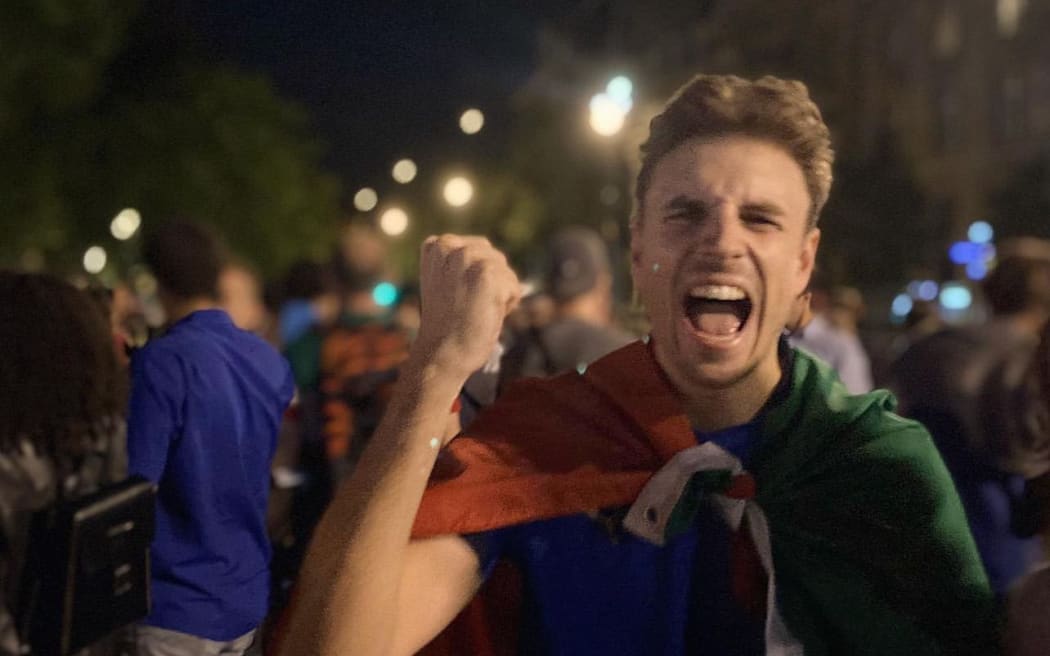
712	408
180	308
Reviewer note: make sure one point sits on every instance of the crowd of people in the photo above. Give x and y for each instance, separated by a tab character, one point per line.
490	467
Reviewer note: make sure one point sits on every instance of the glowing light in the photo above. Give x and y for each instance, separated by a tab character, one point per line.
964	252
955	297
366	199
976	270
620	89
980	232
913	288
607	115
902	305
394	221
928	290
404	171
458	191
471	121
384	294
94	259
125	224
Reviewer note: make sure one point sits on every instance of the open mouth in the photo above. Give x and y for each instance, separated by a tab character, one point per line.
718	311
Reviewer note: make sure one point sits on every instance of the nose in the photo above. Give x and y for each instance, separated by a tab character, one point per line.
722	234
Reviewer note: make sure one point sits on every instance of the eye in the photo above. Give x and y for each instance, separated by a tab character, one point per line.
761	220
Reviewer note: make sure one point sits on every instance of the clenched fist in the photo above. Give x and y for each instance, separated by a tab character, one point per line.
467	289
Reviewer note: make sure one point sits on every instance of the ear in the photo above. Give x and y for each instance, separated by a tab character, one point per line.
807	259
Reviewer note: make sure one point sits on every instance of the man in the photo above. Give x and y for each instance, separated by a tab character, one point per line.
578	278
206	402
832	335
966	385
706	491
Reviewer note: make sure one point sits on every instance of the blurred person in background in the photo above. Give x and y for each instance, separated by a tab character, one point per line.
1028	623
832	335
578	280
206	402
963	384
345	371
61	413
240	295
310	300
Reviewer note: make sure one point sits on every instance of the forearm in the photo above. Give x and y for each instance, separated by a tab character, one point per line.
347	597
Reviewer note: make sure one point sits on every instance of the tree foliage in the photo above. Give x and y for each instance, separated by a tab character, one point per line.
98	122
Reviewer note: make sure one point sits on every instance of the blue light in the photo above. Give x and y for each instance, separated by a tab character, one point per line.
976	270
964	252
955	297
384	294
913	288
928	290
980	232
901	305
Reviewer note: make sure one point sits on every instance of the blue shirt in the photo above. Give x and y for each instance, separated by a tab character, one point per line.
590	589
206	403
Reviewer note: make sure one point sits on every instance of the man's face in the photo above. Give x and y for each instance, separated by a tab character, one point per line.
720	255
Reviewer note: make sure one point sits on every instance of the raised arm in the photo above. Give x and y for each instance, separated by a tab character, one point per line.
365	588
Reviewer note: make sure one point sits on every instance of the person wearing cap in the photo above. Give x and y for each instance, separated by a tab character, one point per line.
966	383
578	279
708	490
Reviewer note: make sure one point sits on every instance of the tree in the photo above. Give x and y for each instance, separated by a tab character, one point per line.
150	126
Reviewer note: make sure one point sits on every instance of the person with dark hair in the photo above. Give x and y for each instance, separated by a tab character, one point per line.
964	384
707	490
311	300
61	412
207	399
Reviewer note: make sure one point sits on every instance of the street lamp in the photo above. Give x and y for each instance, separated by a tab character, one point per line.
404	171
394	222
471	121
609	108
95	259
125	224
458	191
365	199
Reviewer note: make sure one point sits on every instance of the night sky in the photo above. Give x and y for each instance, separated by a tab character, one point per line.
381	80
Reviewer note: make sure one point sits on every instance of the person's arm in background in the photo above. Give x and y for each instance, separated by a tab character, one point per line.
154	410
365	588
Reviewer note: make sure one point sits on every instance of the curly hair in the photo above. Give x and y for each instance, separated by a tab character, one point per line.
60	377
770	108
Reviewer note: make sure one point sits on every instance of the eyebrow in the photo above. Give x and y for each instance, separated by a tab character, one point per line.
682	202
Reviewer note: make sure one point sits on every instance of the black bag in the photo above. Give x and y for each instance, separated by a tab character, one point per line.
87	570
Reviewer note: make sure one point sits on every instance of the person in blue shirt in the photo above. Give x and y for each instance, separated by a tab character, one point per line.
206	402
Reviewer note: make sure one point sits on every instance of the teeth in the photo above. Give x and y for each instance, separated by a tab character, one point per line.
718	292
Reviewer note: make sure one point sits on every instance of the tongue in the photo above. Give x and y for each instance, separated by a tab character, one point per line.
715	317
717	323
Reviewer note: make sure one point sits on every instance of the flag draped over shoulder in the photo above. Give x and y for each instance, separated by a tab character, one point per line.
870	544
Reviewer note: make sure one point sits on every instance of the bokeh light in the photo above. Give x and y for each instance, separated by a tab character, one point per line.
902	305
458	191
404	171
471	121
385	294
394	221
955	296
607	116
366	199
980	232
928	290
95	259
125	224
